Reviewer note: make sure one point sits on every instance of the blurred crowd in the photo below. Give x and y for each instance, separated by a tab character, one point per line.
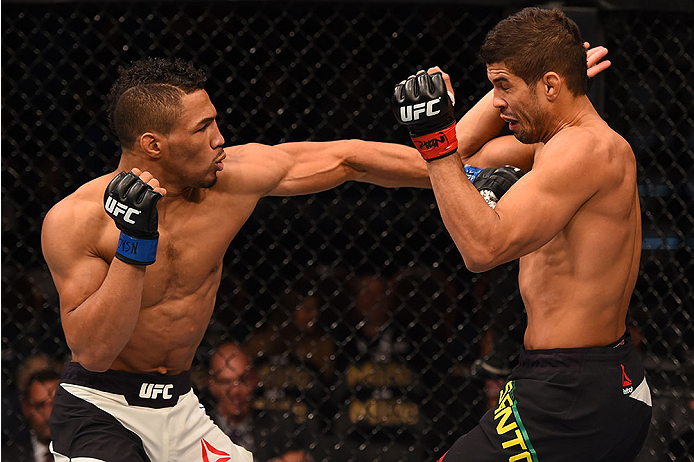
343	367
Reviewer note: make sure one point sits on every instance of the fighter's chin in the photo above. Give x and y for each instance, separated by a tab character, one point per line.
207	182
210	182
525	137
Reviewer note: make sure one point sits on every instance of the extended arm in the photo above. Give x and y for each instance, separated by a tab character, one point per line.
479	143
309	167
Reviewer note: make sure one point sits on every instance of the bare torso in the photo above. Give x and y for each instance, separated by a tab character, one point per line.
577	287
180	288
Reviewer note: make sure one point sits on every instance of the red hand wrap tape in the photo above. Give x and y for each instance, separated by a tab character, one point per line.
436	145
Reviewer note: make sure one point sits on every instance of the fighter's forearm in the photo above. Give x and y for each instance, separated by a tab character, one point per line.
389	165
309	167
478	126
100	327
466	215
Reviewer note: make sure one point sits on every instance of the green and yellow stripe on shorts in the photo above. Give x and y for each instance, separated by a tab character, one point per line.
510	427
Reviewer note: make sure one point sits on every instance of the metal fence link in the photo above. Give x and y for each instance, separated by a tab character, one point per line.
370	338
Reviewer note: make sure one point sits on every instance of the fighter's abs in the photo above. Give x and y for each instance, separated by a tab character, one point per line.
170	327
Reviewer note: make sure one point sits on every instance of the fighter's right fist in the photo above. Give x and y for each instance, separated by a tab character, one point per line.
132	204
422	104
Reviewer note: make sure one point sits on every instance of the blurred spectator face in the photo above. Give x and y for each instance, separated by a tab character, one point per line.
37	405
306	314
29	367
232	382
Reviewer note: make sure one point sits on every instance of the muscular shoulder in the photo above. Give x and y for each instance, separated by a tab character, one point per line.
595	141
577	144
590	161
594	148
254	168
78	217
83	203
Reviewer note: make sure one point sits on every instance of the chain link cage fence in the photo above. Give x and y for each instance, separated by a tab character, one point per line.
370	338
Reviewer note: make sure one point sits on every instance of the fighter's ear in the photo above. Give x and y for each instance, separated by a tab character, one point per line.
152	143
552	85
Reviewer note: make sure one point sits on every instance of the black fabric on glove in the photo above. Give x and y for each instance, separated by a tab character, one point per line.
423	106
133	206
493	183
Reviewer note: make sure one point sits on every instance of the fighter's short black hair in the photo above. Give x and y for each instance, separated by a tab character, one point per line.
535	41
147	94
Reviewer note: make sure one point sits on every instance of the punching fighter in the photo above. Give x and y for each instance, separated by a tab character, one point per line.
579	390
136	256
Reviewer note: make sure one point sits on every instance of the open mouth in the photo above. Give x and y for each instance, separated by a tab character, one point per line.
512	123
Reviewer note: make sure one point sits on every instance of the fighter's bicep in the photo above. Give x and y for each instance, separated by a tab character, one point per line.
309	168
77	270
530	216
542	203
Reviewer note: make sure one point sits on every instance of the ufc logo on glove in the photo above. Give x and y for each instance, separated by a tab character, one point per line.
412	112
423	105
127	196
115	208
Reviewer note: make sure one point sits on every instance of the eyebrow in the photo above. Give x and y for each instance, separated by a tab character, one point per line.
206	121
499	79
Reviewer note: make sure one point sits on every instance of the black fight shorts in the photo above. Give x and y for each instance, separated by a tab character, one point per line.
565	405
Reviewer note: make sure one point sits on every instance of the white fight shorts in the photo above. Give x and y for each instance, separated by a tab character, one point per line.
118	416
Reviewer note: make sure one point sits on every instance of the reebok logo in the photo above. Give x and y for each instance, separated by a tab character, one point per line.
208	449
413	111
627	386
115	208
152	390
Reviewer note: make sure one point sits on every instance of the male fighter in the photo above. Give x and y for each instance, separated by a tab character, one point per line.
579	391
136	256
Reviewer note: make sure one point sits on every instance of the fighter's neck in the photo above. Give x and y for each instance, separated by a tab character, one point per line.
575	114
129	160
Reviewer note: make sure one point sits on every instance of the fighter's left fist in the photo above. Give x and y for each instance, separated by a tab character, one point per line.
423	105
492	183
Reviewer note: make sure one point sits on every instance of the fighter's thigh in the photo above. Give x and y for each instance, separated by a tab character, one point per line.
502	434
475	446
82	431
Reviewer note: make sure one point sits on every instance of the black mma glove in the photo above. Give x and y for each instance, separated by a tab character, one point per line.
132	204
422	104
493	183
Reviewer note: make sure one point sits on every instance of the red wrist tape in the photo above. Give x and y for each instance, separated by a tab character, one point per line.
436	145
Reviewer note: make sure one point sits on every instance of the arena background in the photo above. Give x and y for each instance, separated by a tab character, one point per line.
324	71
